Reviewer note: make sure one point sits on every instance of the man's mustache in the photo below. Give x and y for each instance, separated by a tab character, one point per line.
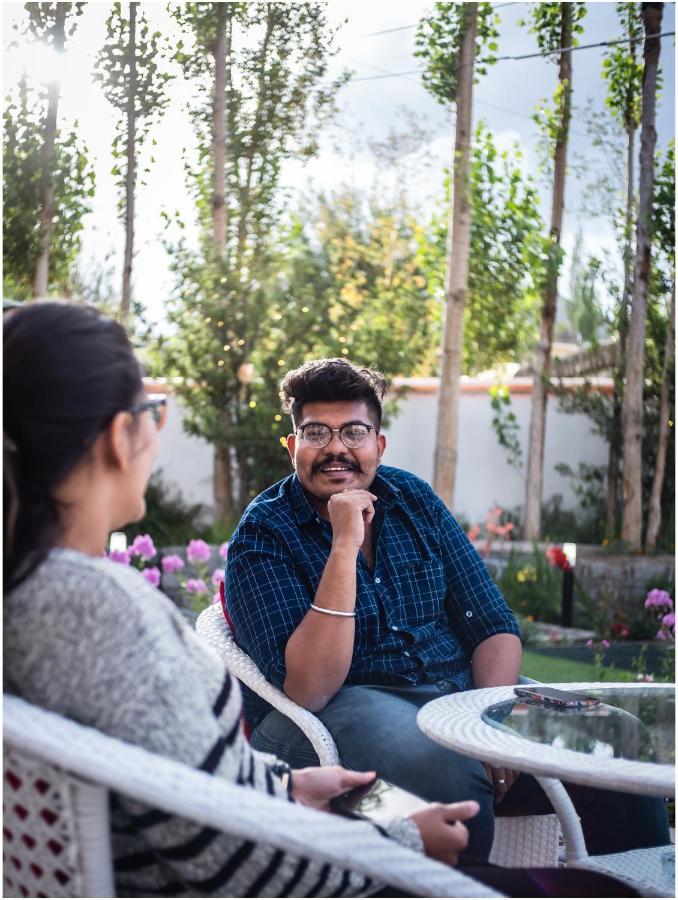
338	460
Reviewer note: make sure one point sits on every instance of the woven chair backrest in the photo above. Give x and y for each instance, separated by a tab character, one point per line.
56	834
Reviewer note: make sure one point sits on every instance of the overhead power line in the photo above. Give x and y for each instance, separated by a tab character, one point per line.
523	56
408	27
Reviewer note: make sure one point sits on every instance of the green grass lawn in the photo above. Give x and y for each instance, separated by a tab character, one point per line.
554	668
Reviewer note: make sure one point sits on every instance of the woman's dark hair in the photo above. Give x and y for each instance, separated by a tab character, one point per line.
67	371
331	381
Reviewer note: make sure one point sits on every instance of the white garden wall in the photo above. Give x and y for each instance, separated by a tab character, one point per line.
484	476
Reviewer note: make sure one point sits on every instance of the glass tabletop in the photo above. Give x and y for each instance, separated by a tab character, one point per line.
634	723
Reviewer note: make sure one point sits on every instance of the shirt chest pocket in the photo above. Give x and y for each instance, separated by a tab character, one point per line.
420	590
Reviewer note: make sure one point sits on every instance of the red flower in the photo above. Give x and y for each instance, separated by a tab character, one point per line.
622	631
556	557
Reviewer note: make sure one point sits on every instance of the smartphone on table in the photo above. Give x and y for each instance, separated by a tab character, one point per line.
555	697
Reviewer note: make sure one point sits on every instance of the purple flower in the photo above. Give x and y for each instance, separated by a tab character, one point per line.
119	556
669	620
589	643
198	551
195	586
143	546
172	564
216	598
152	576
658	598
223	550
605	643
217	576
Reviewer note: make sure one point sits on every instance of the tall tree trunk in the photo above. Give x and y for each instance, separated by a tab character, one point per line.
41	276
459	240
632	409
616	433
222	481
542	363
655	509
246	189
219	133
131	166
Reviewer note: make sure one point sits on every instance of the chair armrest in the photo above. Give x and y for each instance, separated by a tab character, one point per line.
212	627
205	799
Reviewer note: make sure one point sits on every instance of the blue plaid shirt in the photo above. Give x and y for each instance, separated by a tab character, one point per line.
419	615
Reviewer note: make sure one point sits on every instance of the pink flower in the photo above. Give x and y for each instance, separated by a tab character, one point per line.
646	678
216	598
658	598
605	643
589	643
217	576
119	556
473	533
172	564
152	576
669	620
198	551
223	550
195	586
143	546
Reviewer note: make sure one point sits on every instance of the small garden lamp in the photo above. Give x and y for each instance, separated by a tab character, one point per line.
117	542
570	551
567	607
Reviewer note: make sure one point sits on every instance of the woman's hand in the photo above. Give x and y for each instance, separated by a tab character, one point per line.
442	831
315	786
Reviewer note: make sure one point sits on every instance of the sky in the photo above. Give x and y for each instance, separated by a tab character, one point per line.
369	108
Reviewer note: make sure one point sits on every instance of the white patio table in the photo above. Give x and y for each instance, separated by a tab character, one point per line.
531	739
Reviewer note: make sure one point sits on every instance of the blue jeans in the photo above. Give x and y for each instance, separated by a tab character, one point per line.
374	727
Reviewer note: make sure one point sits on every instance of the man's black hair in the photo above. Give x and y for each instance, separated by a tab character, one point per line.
331	381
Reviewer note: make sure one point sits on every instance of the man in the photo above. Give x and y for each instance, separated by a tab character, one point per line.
355	590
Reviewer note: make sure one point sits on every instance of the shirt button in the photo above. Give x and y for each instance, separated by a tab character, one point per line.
406	653
377	580
468	613
394	628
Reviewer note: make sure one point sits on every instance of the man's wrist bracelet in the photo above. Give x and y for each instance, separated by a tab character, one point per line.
333	612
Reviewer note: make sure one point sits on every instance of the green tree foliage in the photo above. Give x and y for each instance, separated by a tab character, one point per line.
23	140
47	181
129	69
623	71
272	62
112	72
585	315
599	407
506	262
664	217
346	277
438	40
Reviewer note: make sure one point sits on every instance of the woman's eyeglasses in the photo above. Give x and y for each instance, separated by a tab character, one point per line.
157	406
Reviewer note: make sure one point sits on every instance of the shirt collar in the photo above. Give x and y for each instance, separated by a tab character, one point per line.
387	492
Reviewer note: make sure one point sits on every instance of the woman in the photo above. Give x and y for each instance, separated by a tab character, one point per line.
92	640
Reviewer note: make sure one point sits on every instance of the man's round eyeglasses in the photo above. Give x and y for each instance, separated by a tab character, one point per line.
353	435
157	406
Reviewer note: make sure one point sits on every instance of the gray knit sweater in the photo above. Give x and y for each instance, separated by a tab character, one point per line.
93	641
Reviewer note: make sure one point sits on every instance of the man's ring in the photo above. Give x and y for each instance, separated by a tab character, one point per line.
500	781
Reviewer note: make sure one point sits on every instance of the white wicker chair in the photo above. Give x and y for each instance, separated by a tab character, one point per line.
58	775
518	841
